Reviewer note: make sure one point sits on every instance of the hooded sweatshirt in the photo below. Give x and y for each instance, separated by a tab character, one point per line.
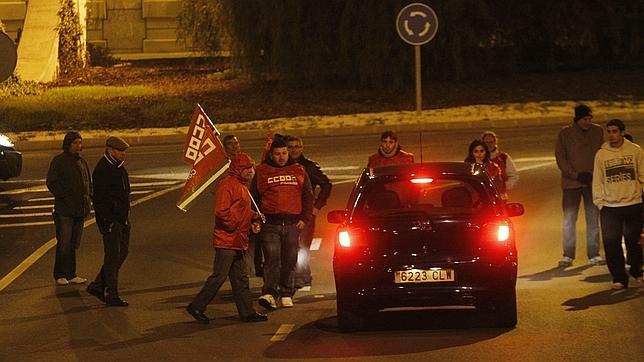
233	211
618	175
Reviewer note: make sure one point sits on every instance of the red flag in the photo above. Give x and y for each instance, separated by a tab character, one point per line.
205	152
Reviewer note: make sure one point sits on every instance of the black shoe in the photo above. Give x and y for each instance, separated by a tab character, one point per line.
96	291
256	317
116	302
198	315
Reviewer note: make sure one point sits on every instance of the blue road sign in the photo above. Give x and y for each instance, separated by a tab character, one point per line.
417	24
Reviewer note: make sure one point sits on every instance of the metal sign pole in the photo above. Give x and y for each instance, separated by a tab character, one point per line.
419	92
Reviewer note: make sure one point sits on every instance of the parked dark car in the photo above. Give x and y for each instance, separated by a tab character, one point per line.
10	159
425	235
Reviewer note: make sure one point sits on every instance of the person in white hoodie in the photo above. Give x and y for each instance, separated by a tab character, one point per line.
617	192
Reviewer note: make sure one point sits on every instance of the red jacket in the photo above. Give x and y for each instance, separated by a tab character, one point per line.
401	157
232	214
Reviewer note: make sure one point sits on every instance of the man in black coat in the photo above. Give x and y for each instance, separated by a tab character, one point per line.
318	178
69	180
112	205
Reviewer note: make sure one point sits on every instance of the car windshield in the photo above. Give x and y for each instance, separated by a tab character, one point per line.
440	196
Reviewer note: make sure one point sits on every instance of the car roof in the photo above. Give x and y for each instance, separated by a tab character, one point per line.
427	169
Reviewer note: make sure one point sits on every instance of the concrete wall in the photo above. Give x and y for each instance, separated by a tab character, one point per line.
129	28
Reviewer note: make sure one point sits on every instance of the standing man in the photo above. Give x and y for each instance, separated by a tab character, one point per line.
617	192
505	162
283	191
233	216
390	152
112	205
231	145
69	180
575	151
318	178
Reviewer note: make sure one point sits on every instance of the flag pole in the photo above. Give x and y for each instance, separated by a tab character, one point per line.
257	207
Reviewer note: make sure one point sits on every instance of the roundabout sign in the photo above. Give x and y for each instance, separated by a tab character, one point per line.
417	24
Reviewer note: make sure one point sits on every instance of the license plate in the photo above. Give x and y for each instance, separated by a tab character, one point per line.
424	276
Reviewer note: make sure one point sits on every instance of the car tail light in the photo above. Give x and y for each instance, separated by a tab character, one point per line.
344	239
422	180
503	233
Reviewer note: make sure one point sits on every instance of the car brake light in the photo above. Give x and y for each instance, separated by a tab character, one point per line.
503	233
344	239
424	180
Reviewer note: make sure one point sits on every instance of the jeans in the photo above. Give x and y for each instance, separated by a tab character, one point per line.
303	267
231	264
617	222
571	199
279	245
115	245
68	235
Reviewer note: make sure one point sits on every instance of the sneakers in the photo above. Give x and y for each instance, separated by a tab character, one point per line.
287	302
565	261
597	260
77	280
267	301
617	286
62	281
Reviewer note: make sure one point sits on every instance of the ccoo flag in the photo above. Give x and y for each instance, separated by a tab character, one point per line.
205	152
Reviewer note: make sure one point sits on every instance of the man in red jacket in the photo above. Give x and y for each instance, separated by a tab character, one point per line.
283	191
233	218
390	152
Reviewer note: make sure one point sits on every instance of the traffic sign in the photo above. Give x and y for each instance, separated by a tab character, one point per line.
417	24
8	57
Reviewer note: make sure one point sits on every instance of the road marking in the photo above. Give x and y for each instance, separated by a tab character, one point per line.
31	207
315	244
140	192
33	258
34	214
336	177
341	168
36	199
43	188
538	165
35	223
282	332
345	181
535	159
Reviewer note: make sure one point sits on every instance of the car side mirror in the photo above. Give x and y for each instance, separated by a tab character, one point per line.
514	209
336	216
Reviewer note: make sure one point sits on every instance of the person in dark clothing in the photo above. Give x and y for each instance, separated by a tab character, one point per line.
69	180
317	177
112	206
283	192
233	218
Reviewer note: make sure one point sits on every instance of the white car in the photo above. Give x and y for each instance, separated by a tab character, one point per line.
10	159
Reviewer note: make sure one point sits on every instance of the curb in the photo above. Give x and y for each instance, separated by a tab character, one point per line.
33	141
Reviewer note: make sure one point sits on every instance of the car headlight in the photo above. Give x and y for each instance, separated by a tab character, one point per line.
5	142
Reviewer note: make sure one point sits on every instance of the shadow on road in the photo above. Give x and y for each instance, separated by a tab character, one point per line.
446	328
605	297
556	272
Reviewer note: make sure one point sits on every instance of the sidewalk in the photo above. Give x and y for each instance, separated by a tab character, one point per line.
481	117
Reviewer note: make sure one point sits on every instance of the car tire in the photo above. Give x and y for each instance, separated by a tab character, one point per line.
350	319
505	309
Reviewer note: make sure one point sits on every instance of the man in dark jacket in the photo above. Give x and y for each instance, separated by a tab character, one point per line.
318	178
69	180
233	217
283	192
112	205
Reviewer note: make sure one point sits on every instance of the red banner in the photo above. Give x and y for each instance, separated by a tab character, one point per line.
205	152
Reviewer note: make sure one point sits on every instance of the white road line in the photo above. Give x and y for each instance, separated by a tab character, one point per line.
345	181
43	188
538	165
37	199
30	207
33	258
345	176
341	168
534	159
33	214
282	332
315	244
140	192
35	223
158	183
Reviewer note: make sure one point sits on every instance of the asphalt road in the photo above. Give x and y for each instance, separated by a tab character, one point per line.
564	314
